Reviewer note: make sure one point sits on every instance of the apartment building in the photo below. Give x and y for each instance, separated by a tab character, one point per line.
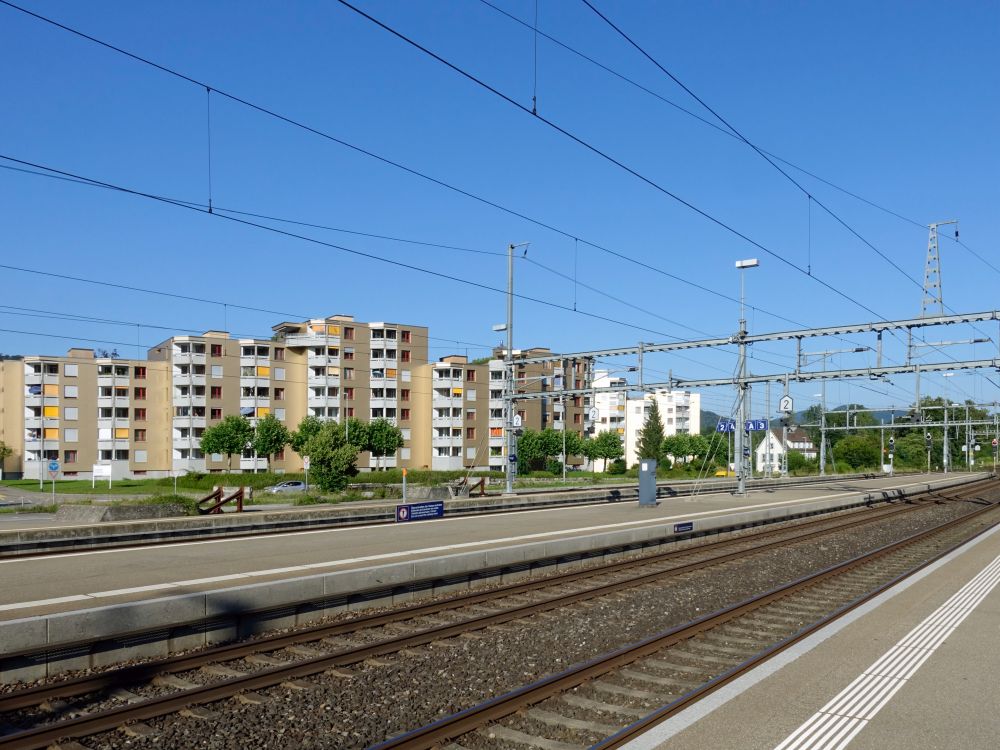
466	403
146	417
679	410
361	370
612	414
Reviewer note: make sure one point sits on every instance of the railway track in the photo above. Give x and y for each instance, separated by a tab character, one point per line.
610	700
97	703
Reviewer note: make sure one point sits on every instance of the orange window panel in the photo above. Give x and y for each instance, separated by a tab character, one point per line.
263	372
51	412
390	373
496	431
121	433
456	391
263	411
51	389
51	433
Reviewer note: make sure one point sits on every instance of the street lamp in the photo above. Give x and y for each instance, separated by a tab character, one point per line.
743	387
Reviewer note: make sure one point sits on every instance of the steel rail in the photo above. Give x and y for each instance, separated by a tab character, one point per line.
90	724
78	685
138	673
452	727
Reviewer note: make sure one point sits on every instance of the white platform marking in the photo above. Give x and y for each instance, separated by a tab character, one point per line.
837	723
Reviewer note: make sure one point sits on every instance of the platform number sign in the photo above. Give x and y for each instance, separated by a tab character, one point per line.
755	425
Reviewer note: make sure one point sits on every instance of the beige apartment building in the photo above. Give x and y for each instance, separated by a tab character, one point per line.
147	417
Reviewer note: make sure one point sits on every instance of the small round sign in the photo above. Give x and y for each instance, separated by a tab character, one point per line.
53	466
994	442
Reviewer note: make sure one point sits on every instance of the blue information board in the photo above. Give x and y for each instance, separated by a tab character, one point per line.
419	511
726	425
680	528
755	425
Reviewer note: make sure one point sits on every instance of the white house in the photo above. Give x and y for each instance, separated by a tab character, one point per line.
798	440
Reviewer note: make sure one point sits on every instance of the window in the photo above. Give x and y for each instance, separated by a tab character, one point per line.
470	415
521	414
139	373
216	391
216	371
471	394
121	455
404	336
121	391
279	414
69	457
349	373
406	376
348	394
51	389
279	355
348	333
279	394
404	413
405	355
139	436
263	411
216	413
280	455
349	411
263	372
69	391
70	371
140	457
71	413
577	418
139	394
121	433
348	353
470	375
470	433
71	435
139	415
50	412
496	432
404	394
279	373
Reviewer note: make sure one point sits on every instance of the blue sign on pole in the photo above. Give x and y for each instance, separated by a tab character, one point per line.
755	425
512	458
419	511
53	466
726	425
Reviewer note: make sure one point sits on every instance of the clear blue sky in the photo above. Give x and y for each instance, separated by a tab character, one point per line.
896	101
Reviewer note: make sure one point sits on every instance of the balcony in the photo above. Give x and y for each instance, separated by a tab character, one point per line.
35	378
33	422
189	464
253	464
298	340
446	382
446	442
320	401
322	381
108	423
188	422
323	360
109	381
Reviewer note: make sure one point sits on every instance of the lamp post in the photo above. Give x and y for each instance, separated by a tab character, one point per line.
743	387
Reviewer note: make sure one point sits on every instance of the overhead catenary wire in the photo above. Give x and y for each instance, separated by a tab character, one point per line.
383	159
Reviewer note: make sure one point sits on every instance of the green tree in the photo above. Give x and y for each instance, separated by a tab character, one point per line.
796	461
232	435
529	451
308	427
606	445
332	459
5	453
678	447
650	442
269	437
383	438
857	451
356	433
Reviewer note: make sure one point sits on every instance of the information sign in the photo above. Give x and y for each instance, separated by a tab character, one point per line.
726	425
786	405
419	511
755	425
305	463
680	528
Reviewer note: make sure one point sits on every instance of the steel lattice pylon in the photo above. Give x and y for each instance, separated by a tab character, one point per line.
933	296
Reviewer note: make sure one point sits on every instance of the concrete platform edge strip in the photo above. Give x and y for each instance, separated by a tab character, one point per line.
225	611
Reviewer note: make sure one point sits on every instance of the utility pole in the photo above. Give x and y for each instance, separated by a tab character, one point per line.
944	448
743	387
509	371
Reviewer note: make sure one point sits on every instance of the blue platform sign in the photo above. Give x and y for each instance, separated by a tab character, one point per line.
755	425
680	528
419	511
726	425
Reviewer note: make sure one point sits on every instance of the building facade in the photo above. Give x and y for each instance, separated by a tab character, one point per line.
679	410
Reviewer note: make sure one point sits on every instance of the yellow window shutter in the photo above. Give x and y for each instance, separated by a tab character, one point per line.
51	412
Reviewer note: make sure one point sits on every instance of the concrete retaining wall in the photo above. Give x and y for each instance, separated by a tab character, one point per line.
37	647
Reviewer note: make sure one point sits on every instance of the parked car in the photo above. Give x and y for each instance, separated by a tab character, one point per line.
287	487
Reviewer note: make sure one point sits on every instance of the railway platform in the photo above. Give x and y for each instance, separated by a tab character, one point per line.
193	593
914	668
